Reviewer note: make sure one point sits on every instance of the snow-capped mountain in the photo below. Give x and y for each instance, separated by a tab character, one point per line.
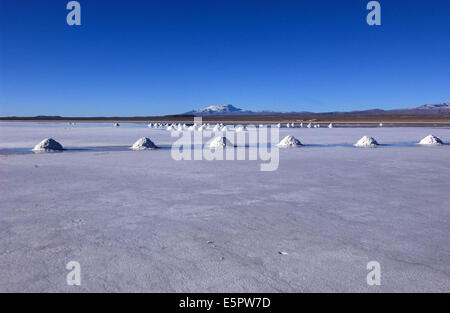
217	109
441	109
439	106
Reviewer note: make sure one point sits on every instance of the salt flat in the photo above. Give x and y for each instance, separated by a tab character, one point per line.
141	221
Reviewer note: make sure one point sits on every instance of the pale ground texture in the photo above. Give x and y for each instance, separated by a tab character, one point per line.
141	221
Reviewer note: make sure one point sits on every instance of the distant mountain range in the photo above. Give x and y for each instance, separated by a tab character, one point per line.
436	112
441	106
228	109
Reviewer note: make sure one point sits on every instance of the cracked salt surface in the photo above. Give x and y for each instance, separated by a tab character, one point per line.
144	222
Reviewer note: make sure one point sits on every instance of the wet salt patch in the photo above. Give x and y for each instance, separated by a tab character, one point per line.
13	151
18	151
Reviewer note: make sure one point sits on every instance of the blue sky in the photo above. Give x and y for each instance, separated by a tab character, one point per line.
150	57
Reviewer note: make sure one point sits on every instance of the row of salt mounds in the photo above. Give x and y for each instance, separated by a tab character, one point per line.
220	142
289	141
143	143
366	141
431	140
48	145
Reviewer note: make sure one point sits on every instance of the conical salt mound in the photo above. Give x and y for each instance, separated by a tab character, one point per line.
431	140
143	144
289	141
220	142
366	141
48	145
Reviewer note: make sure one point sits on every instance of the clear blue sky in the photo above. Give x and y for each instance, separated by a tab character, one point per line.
139	57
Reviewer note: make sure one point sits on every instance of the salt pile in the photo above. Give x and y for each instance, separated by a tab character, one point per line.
240	128
48	145
220	142
431	140
330	125
366	141
143	144
289	141
216	128
309	125
116	124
